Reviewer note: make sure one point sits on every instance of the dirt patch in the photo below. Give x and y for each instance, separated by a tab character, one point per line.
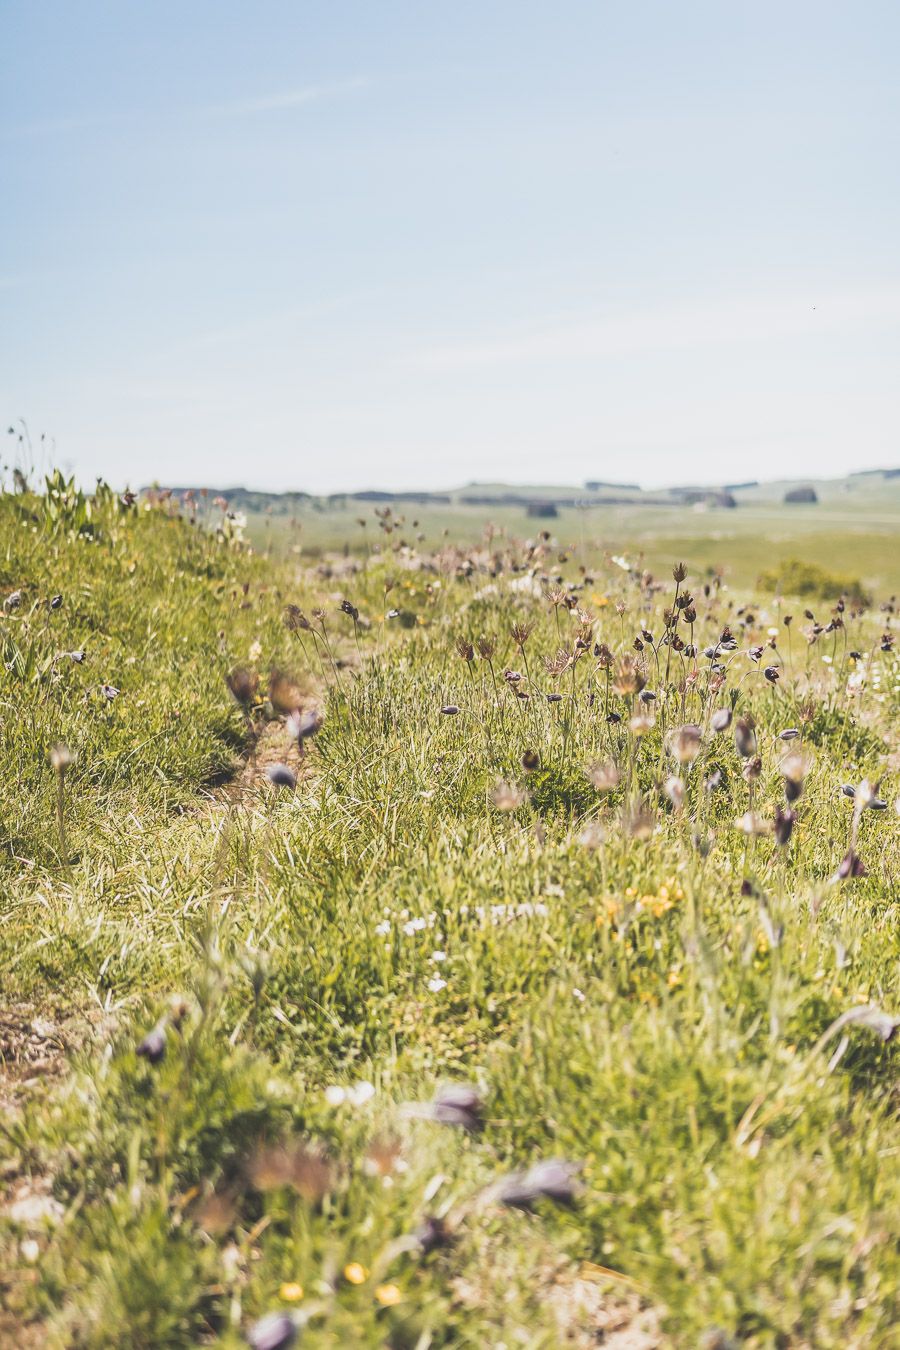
36	1047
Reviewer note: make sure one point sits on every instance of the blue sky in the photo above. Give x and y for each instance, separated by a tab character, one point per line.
339	245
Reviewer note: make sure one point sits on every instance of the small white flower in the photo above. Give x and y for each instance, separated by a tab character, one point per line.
578	995
438	956
382	929
255	651
335	1095
436	984
827	660
361	1093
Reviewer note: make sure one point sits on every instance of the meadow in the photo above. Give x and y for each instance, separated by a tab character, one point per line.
483	940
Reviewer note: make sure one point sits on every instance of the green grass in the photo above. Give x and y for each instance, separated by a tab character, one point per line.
655	1009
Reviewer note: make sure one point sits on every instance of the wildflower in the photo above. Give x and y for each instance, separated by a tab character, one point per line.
674	790
793	771
639	824
629	679
520	634
436	984
553	1180
285	694
153	1046
679	572
850	866
458	1104
347	608
388	1295
721	719
789	734
578	995
355	1273
275	1331
279	775
56	601
243	685
76	656
450	710
335	1095
295	620
382	929
784	824
254	652
465	649
291	1291
432	1234
12	601
109	692
772	674
360	1093
437	957
684	743
752	769
486	648
745	737
303	725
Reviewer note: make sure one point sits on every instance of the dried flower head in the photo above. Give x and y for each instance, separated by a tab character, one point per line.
507	797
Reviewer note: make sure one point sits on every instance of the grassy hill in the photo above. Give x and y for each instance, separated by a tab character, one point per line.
526	1010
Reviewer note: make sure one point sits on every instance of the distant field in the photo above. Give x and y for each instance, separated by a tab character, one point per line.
852	533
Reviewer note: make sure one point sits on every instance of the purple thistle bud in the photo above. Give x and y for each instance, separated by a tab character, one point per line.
275	1331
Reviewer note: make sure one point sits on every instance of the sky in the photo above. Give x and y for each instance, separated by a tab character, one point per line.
327	246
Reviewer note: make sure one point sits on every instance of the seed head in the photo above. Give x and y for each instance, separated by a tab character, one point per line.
602	776
295	620
507	797
679	571
684	743
60	757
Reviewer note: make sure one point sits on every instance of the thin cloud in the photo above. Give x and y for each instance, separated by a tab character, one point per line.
680	328
290	98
